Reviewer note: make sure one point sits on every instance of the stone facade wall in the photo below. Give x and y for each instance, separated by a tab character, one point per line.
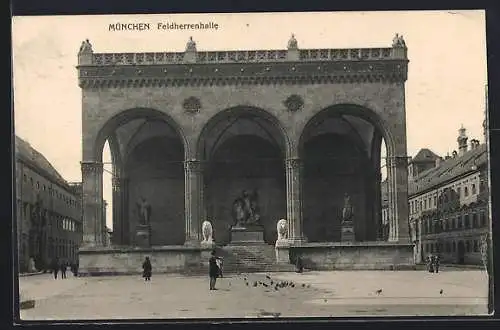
381	103
376	256
386	100
62	233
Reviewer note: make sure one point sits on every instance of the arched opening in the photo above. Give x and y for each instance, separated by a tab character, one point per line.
343	151
243	150
107	186
145	160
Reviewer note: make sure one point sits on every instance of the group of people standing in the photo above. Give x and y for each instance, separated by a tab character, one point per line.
433	263
215	266
62	266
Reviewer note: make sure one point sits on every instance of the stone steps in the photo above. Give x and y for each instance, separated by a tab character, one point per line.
251	258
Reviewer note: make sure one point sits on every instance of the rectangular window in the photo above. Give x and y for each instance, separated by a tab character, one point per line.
459	192
466	191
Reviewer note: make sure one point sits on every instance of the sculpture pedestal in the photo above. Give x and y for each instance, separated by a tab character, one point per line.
282	250
251	234
143	236
347	232
209	244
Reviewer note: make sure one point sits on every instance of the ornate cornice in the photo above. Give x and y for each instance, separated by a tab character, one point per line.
216	74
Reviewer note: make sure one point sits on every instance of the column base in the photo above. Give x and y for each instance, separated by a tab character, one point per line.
192	242
297	241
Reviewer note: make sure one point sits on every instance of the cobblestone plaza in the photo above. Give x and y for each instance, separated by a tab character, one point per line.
318	294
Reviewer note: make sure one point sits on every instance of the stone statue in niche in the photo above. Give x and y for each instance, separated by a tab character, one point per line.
347	210
207	231
144	211
246	210
292	43
282	229
31	266
86	47
398	41
191	45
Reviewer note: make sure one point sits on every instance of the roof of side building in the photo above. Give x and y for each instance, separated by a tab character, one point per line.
26	153
424	155
449	169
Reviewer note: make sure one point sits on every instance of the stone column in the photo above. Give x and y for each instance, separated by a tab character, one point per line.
391	213
398	199
117	211
125	221
294	200
92	202
193	197
377	212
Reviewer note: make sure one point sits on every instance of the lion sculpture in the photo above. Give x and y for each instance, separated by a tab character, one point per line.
282	229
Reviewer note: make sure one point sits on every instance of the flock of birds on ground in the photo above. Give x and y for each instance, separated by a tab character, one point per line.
271	283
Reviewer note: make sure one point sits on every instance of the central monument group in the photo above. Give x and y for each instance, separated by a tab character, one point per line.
264	155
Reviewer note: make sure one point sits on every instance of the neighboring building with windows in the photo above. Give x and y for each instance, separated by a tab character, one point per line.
448	202
48	210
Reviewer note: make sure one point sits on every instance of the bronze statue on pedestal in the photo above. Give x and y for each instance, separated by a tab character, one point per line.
246	210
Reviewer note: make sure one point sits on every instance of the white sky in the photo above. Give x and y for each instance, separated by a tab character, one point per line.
445	87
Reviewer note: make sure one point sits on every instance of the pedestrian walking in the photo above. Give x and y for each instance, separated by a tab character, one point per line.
147	269
430	263
55	267
63	269
435	263
220	265
213	270
299	265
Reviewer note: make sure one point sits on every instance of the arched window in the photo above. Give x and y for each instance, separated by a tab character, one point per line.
466	191
474	189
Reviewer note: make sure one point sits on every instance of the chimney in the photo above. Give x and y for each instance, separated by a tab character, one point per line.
438	161
447	156
462	141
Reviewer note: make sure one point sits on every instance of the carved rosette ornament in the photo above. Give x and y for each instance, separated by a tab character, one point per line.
294	103
192	105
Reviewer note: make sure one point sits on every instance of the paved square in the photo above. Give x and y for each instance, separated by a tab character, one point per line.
341	293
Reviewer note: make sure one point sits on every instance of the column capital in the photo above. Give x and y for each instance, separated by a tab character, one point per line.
193	165
116	182
398	161
293	163
91	167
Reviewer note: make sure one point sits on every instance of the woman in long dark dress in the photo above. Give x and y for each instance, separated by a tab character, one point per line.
147	269
213	270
